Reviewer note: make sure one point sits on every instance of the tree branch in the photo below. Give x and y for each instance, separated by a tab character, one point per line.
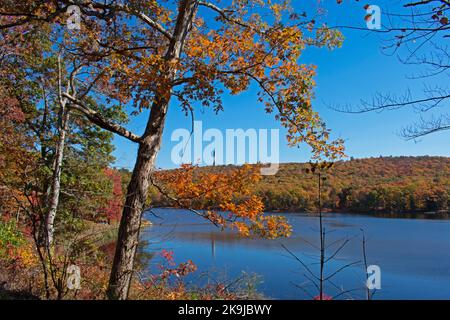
223	13
97	119
127	9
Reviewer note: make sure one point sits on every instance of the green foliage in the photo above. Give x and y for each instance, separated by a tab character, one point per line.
10	236
85	185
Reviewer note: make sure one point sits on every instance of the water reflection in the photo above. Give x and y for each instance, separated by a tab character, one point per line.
414	254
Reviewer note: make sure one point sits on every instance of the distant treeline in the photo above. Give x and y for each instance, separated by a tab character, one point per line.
384	184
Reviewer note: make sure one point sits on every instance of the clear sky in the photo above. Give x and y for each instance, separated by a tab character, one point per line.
346	75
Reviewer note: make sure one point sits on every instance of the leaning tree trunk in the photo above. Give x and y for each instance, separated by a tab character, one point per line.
128	238
130	223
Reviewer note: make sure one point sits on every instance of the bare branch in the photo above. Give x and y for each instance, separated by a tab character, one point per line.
223	13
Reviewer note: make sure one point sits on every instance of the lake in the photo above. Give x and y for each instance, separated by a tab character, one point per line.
413	254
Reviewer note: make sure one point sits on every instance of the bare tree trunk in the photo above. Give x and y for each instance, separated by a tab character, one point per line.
128	238
63	121
56	179
368	293
322	241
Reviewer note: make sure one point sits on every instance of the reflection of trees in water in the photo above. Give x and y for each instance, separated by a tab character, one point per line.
224	239
144	256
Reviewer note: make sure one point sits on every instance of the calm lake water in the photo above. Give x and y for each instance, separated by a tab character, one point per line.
413	254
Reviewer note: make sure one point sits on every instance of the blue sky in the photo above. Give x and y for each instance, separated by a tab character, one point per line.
346	75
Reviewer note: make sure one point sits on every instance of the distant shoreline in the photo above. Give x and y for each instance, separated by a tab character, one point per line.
381	214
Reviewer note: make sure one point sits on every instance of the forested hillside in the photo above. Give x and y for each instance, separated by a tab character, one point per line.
384	184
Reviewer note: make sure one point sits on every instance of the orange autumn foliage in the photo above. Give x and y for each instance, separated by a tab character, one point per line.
260	42
224	198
